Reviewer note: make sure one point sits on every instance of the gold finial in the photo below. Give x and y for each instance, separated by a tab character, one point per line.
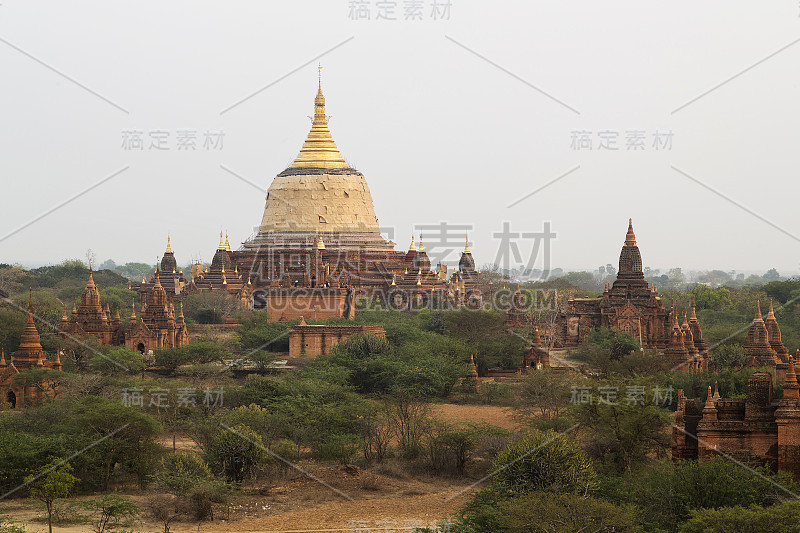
630	238
421	247
466	245
221	242
319	74
413	247
227	246
169	248
320	244
319	150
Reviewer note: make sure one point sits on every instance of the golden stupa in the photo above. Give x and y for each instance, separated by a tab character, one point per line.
319	194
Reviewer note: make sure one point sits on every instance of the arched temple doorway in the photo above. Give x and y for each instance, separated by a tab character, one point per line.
12	399
140	347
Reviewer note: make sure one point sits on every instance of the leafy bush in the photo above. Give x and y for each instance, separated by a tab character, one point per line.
551	513
543	461
667	493
181	472
780	518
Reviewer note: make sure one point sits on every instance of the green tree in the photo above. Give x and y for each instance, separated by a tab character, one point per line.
625	433
235	452
542	395
543	461
117	360
51	483
107	513
182	471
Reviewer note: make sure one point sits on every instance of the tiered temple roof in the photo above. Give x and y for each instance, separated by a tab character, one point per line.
757	347
91	318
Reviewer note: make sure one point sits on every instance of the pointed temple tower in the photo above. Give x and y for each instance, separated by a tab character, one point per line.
632	306
29	355
90	318
757	348
319	230
172	278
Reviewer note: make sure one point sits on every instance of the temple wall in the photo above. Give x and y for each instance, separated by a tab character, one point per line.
311	341
291	304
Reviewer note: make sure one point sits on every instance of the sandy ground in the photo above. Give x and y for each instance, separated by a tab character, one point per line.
476	414
383	499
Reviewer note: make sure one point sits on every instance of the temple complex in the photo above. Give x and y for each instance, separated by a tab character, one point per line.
634	307
319	246
156	326
29	355
91	318
756	429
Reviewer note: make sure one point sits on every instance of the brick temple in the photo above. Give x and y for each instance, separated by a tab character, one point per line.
91	318
29	355
757	429
631	305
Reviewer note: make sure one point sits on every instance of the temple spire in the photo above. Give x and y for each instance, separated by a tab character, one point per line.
413	247
169	248
630	238
319	150
466	245
758	311
221	242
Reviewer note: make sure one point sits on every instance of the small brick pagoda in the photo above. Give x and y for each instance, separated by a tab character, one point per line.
29	355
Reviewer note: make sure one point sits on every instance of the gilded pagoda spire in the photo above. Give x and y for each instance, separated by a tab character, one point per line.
413	247
319	150
221	242
169	248
466	245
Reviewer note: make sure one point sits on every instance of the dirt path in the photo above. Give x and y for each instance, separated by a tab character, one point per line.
392	513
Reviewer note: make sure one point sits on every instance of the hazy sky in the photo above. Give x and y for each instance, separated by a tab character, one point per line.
450	120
